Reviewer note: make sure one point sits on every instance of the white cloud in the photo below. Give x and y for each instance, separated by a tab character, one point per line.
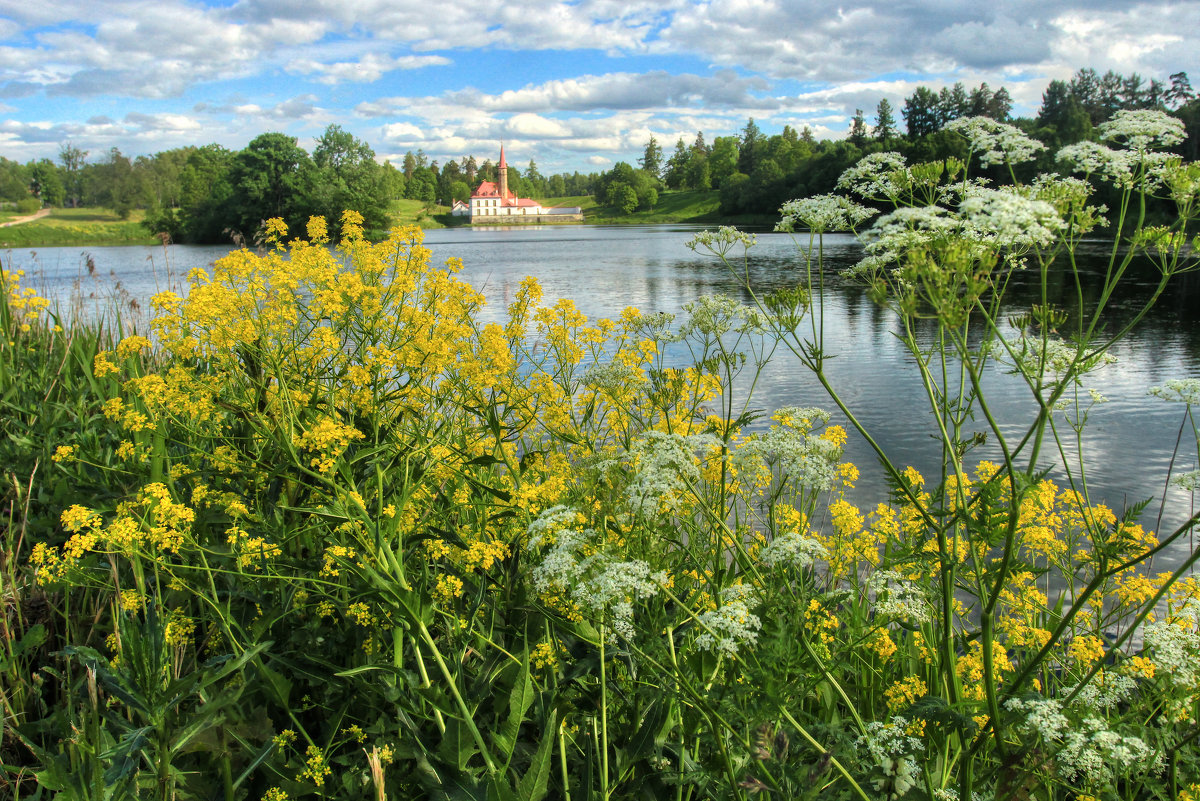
367	69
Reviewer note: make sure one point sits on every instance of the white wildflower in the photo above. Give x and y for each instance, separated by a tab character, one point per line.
792	549
879	176
732	624
899	598
803	458
550	523
1090	158
589	577
892	748
996	142
722	240
1106	689
716	315
1188	482
1093	754
667	470
822	213
1052	356
1010	219
1043	717
1179	390
1141	130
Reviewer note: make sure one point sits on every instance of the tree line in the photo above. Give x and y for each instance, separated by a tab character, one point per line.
755	173
213	194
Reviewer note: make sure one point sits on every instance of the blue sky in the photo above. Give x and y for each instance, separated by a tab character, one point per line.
573	85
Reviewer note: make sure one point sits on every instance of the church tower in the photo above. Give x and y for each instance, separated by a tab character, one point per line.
502	170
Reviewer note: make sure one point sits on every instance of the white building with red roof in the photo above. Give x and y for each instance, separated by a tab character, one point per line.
494	203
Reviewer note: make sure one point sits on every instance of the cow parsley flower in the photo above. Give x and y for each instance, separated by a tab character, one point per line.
666	470
805	459
1043	717
716	315
1093	754
577	566
1010	219
721	241
1179	390
1090	158
732	624
1141	130
1188	482
892	748
792	549
822	213
1106	689
879	176
899	598
995	142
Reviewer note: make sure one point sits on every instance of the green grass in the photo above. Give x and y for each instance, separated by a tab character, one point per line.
418	212
83	226
684	206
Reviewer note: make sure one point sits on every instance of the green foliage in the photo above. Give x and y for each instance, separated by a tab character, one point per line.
331	534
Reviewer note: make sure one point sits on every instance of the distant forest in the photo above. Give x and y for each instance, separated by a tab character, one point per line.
213	194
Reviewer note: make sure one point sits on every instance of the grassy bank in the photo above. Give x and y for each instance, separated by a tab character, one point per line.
83	226
97	227
688	206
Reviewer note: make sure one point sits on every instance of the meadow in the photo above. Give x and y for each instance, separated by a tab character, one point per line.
321	533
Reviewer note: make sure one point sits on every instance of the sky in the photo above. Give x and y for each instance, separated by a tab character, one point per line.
573	85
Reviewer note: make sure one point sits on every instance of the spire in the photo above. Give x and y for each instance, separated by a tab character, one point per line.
502	170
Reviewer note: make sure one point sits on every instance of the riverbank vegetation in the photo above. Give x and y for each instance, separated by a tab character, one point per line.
323	533
79	226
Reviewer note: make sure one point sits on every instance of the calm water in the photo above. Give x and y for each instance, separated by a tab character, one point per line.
1129	440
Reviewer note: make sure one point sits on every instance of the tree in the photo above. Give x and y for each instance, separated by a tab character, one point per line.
750	149
651	160
271	177
885	121
920	112
45	183
1180	92
348	179
676	170
1001	105
72	160
460	191
858	128
723	161
697	174
623	197
14	181
1065	119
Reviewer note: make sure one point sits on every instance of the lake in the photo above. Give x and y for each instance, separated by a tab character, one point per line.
604	269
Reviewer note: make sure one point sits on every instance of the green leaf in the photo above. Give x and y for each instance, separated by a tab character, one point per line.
533	783
519	701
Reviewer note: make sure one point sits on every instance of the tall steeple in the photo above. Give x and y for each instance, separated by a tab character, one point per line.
502	169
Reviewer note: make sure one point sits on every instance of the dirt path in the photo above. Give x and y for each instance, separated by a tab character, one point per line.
40	214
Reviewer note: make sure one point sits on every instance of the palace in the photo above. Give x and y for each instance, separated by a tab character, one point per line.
494	203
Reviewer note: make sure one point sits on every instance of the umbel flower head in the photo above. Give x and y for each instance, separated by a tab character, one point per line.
995	142
822	213
1144	129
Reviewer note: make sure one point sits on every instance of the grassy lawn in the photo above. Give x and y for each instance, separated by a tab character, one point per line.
687	206
416	212
83	226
